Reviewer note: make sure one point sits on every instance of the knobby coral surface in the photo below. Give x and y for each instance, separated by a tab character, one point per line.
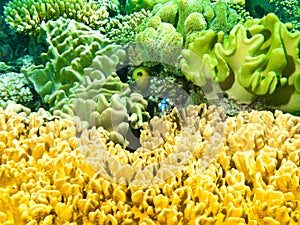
50	176
26	16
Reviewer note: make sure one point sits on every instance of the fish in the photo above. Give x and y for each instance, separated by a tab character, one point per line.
163	106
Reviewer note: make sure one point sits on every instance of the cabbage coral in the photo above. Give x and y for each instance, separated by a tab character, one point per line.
257	59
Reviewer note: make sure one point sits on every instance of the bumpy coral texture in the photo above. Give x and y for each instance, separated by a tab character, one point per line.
123	29
254	179
26	16
260	58
15	87
189	16
159	42
104	100
175	24
72	47
78	56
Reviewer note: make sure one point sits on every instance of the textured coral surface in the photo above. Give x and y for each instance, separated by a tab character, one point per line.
48	175
123	138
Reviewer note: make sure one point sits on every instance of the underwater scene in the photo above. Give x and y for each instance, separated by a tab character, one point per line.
150	112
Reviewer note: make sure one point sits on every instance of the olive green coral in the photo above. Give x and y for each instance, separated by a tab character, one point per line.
26	16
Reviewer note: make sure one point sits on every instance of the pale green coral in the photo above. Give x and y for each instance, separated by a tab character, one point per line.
72	47
162	44
15	87
123	29
109	103
137	5
194	22
80	79
26	16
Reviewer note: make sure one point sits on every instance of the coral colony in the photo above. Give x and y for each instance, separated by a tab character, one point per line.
150	112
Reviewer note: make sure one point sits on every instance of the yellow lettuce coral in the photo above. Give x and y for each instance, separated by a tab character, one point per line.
48	174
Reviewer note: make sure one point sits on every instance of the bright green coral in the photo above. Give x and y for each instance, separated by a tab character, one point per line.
26	16
256	59
190	16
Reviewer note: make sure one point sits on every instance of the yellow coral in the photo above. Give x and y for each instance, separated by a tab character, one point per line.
47	176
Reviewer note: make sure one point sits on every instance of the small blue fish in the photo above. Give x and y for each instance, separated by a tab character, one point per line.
163	106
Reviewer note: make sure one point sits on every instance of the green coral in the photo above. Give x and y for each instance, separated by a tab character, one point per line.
72	47
123	29
79	79
224	19
258	59
102	99
159	44
218	16
288	11
187	19
15	87
175	24
26	16
136	5
109	103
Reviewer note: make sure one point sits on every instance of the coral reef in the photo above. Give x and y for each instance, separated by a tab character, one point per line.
72	47
15	87
123	29
137	5
260	58
189	16
111	104
175	24
80	73
159	42
26	16
125	137
254	178
288	11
